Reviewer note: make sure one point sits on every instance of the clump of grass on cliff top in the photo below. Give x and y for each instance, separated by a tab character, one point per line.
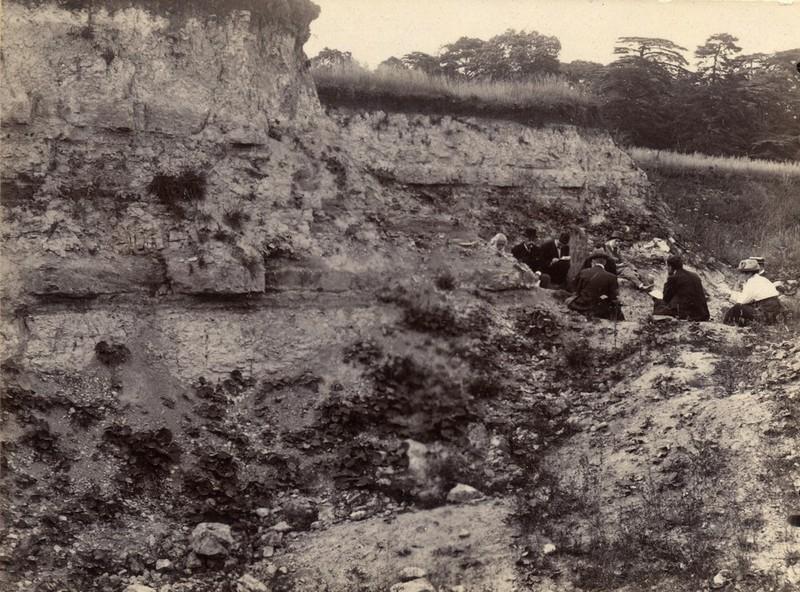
547	98
676	162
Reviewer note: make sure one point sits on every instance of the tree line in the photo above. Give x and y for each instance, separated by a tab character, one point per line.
723	103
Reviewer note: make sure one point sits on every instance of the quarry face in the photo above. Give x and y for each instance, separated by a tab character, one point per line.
250	344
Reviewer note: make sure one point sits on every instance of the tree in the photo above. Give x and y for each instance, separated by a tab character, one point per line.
458	60
517	55
639	90
424	62
653	49
583	72
392	63
715	58
332	58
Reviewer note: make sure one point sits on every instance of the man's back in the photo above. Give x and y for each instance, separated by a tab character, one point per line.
591	285
684	294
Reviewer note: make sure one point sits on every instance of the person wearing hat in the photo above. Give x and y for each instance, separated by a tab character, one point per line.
527	251
596	293
683	294
604	256
758	300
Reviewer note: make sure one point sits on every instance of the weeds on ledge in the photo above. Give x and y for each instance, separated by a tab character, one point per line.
178	192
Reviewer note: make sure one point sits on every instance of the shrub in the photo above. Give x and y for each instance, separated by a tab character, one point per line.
177	192
235	219
445	281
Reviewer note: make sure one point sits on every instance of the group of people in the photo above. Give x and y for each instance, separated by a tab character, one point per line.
596	286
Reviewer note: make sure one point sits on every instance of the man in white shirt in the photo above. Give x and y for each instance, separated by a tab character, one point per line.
758	300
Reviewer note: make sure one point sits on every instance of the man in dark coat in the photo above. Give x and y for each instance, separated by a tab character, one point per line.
554	254
606	258
527	251
596	293
684	297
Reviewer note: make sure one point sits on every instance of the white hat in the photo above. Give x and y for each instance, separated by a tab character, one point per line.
749	265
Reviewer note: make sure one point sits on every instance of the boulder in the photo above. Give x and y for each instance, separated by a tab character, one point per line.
463	493
211	539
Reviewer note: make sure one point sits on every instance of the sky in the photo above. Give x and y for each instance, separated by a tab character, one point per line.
373	30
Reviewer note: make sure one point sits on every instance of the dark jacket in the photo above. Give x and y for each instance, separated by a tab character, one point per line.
590	286
549	251
528	252
685	297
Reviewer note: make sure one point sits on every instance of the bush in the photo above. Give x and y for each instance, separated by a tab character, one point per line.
177	192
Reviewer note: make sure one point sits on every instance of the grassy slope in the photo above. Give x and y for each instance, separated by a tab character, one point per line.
732	208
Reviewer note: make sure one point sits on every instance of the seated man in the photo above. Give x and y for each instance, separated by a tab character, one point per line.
554	254
684	297
527	251
758	301
596	293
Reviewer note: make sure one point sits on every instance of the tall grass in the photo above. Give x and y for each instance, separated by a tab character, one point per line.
675	162
397	86
731	208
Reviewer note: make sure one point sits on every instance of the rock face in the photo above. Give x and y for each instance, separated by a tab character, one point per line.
171	188
137	137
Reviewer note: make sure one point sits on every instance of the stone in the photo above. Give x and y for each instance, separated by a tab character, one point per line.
211	539
248	583
721	579
263	512
163	564
282	527
463	493
464	534
358	515
421	585
417	455
300	512
138	588
412	573
268	551
548	549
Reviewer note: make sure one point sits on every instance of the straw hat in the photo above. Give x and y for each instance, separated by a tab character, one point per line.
749	265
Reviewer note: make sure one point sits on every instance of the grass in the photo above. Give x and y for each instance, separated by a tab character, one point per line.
548	98
731	208
676	162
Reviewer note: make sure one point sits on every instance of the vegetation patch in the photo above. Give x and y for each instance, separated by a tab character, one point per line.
546	99
179	192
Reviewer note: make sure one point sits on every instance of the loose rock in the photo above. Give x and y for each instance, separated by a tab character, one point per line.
412	573
211	539
282	526
463	493
413	586
248	583
721	579
163	564
139	588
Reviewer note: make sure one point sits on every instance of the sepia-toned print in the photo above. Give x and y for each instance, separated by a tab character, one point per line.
380	296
